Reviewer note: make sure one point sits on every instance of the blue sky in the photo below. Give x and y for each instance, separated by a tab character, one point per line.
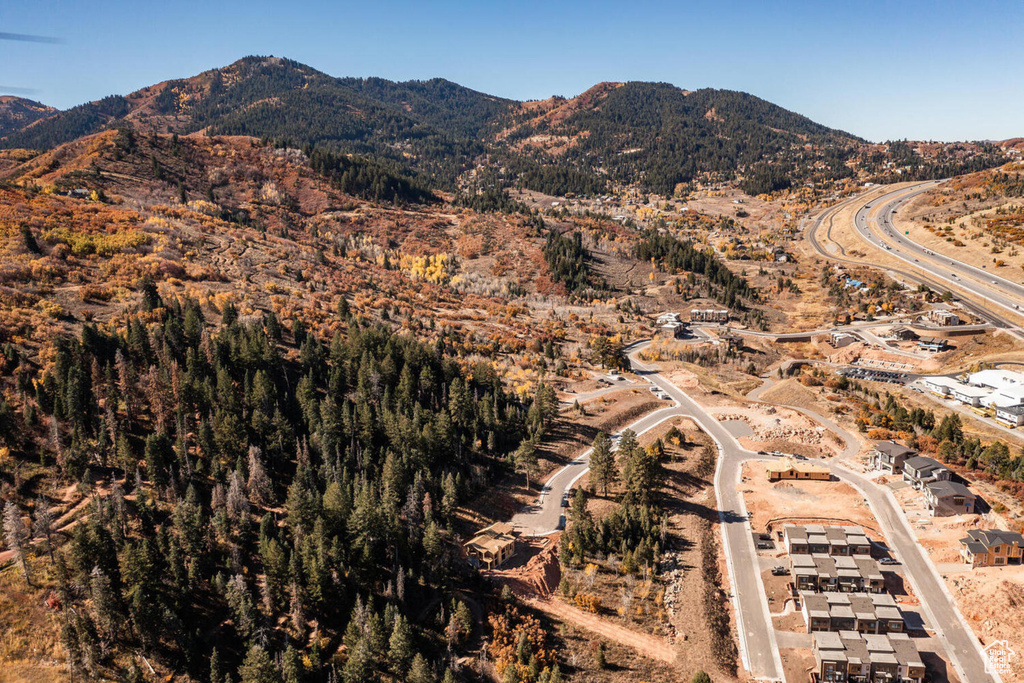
882	70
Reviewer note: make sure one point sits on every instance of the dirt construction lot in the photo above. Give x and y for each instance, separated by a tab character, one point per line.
813	501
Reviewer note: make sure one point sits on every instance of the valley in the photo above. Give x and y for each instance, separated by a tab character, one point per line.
313	378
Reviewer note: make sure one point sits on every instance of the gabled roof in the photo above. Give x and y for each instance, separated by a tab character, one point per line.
983	539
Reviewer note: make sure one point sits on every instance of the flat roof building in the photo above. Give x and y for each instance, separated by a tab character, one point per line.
791	468
709	315
824	573
862	612
851	656
942	386
815	539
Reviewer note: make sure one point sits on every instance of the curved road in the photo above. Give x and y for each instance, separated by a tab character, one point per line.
826	219
880	231
759	649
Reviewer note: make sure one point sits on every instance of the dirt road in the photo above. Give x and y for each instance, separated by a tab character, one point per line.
650	646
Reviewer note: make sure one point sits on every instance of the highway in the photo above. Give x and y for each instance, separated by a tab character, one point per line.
938	279
875	223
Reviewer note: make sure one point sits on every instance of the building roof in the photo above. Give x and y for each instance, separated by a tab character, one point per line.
850	605
893	449
922	464
787	464
943	489
853	647
1011	410
492	538
837	567
996	379
971	392
989	538
941	381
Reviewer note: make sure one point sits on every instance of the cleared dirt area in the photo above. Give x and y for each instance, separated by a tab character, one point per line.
779	429
812	501
667	607
991	599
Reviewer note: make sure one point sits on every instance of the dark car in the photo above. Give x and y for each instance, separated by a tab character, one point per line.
779	570
565	499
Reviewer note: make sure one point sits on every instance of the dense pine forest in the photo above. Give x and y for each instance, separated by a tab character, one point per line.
263	504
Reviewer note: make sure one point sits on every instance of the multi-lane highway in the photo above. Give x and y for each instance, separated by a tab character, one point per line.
819	234
876	222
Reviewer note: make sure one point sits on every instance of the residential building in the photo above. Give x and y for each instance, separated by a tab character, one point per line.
824	573
673	330
947	498
991	547
902	333
668	317
861	612
492	546
791	468
920	470
932	344
944	318
890	456
815	539
709	315
848	656
840	339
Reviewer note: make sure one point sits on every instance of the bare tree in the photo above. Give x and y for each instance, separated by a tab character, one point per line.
43	524
17	536
259	483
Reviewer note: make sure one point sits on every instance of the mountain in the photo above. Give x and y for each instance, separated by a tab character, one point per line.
654	135
17	113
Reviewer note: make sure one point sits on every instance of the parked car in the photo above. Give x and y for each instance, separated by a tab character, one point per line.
761	545
565	499
888	560
779	570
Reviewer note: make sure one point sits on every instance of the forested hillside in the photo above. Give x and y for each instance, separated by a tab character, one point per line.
17	113
665	136
244	507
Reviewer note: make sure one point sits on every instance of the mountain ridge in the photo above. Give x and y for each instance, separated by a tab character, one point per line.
655	135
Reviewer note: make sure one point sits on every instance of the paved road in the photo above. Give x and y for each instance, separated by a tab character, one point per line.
758	648
958	640
881	231
825	221
545	516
